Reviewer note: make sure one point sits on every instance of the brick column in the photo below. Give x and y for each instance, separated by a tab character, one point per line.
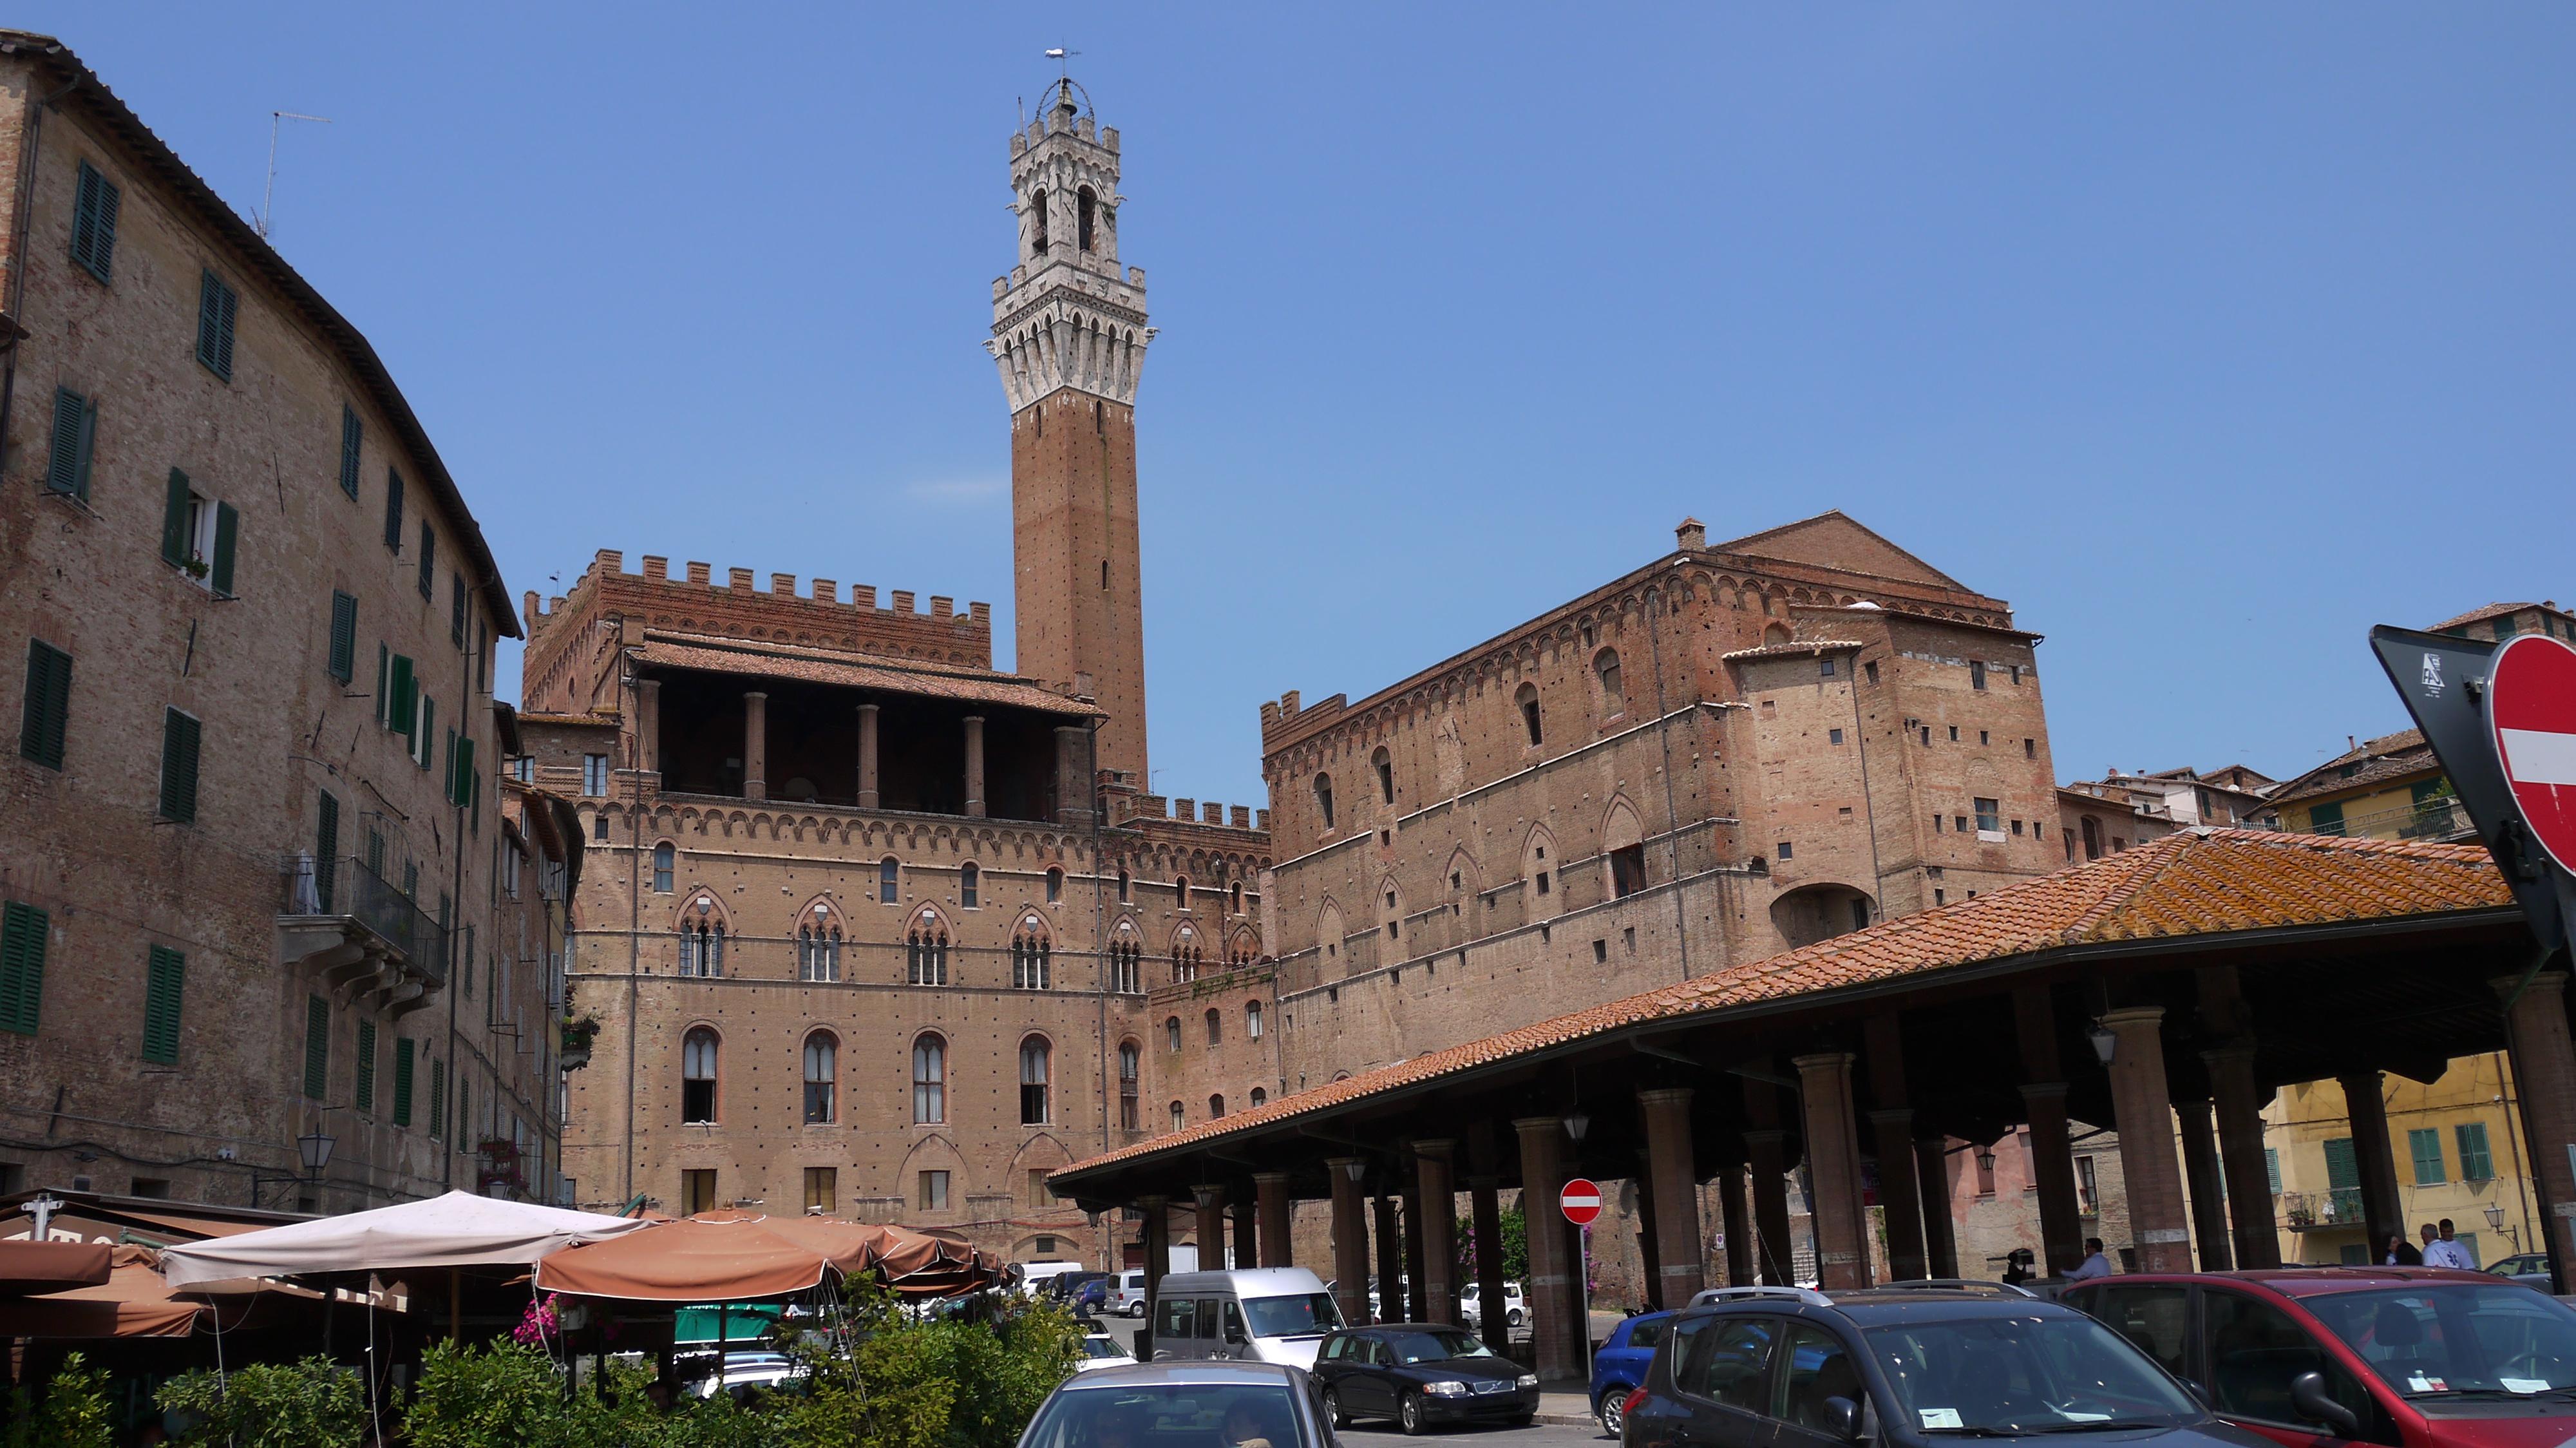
1437	1190
1390	1258
1276	1216
1350	1240
2238	1104
1073	806
1673	1186
974	766
2043	1094
1551	1285
755	745
1649	1260
2141	1108
1211	1226
1892	1131
2200	1174
1417	1282
868	795
1738	1227
2375	1156
648	725
1158	1262
1247	1245
2544	1067
1932	1180
1485	1219
1766	1151
1833	1165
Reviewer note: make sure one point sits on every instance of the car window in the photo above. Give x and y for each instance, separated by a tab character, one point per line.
2042	1371
2438	1341
1649	1334
1176	1317
1819	1369
1207	1317
2155	1318
1377	1354
2256	1350
1233	1320
1137	1414
1727	1361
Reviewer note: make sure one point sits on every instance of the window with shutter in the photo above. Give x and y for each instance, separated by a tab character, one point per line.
456	609
22	966
384	684
216	306
428	560
317	1047
164	976
352	433
75	436
95	200
344	636
227	532
178	767
326	853
393	510
177	505
447	768
402	1083
437	1100
424	730
402	704
47	709
366	1093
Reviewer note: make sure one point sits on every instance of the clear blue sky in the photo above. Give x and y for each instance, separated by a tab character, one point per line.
2207	335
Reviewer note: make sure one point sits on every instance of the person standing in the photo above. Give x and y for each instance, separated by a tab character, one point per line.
2095	1263
2446	1251
2401	1253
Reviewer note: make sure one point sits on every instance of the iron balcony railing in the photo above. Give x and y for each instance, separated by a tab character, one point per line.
2432	819
346	888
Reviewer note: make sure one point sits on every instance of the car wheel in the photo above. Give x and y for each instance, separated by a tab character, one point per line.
1135	1309
1333	1409
1408	1414
1611	1412
1516	1317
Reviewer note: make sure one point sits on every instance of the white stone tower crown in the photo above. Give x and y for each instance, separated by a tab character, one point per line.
1068	315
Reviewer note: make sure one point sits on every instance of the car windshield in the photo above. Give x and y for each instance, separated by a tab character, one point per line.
2433	1341
2015	1375
1433	1347
1166	1415
1305	1314
1101	1347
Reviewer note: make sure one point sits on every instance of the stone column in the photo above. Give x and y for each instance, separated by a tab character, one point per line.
975	766
1650	1260
1932	1178
2208	1196
1158	1262
648	725
1833	1165
868	796
2043	1094
2141	1108
1277	1216
2238	1103
1551	1285
755	745
2544	1067
1417	1282
1211	1226
2375	1156
1485	1219
1673	1187
1892	1131
1350	1240
1737	1226
1437	1190
1390	1258
1247	1245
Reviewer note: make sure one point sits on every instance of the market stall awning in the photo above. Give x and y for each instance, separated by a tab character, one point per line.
459	1229
27	1266
693	1261
129	1300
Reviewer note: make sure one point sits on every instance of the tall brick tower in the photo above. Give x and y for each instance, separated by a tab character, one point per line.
1069	335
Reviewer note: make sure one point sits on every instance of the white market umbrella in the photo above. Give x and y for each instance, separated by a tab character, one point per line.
459	1229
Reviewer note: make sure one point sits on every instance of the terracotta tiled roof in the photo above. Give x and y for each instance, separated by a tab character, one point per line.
2198	882
2384	760
2492	610
605	721
1801	649
780	661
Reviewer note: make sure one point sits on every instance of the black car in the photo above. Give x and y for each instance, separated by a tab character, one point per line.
1420	1375
1920	1366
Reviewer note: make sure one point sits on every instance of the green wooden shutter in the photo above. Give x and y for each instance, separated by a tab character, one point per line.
456	609
174	521
366	1098
393	510
216	307
351	432
464	771
402	1083
94	206
447	768
227	530
23	930
344	636
384	683
428	561
2425	1145
75	434
326	852
47	709
398	697
317	1047
428	727
2476	1164
164	978
179	737
437	1100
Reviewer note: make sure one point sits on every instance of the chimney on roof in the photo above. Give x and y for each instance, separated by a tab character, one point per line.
1691	535
2350	743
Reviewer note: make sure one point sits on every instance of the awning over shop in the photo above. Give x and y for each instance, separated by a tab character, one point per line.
27	1267
745	1256
459	1229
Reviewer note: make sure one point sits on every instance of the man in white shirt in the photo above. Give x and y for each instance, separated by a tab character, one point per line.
2095	1264
2446	1251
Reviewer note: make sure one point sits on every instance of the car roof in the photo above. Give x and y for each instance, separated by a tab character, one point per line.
2319	1281
1872	1307
1275	1279
1194	1372
1403	1327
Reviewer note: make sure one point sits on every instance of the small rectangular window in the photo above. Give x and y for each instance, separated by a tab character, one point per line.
1600	951
45	714
343	664
1825	668
366	1083
95	201
2030	749
317	1047
217	305
1833	736
934	1191
402	1083
1954	733
2016	673
74	439
1927	736
697	1188
456	609
179	738
594	774
351	433
24	933
1936	824
1984	737
1990	816
164	975
1869	671
428	580
1785	849
822	1190
1976	674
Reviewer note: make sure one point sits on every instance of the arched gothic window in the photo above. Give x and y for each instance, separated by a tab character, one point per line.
1382	764
1130	1070
1605	665
1324	798
818	948
1176	1116
1252	1020
925	956
1054	883
1186	956
1215	1027
1125	976
889	881
929	1080
1259	1096
968	878
1030	966
1085	205
821	1057
1234	897
698	1077
1216	1107
702	940
1038	230
1181	891
1036	1059
1172	1033
1526	700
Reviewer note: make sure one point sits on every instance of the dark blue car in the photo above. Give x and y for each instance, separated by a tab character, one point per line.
1619	1368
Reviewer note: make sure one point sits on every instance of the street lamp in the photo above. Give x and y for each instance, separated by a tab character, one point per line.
2495	1216
1355	1168
314	1147
1576	1125
1986	1160
2106	1042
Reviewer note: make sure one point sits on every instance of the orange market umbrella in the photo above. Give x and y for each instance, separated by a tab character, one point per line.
737	1260
134	1301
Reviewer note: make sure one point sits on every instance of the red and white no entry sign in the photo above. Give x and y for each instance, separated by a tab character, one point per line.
2531	706
1580	1201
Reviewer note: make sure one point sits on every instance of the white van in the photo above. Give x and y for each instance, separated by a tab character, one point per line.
1034	1275
1267	1314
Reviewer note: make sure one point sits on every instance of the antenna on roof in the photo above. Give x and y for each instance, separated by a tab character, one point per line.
268	198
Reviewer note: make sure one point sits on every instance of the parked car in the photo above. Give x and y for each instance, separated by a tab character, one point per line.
1619	1366
2422	1357
2531	1269
1905	1367
1202	1401
744	1371
1127	1294
1273	1314
1515	1310
1100	1350
1420	1375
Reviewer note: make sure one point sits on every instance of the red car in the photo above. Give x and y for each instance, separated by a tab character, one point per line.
2407	1357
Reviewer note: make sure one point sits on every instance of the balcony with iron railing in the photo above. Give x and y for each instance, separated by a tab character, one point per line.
2435	820
339	917
2321	1211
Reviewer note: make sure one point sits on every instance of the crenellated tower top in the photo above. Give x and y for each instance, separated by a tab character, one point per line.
1068	315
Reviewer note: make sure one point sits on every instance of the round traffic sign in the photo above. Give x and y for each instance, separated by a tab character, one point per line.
1580	1201
2531	708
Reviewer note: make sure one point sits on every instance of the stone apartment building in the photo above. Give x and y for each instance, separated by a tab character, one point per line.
251	863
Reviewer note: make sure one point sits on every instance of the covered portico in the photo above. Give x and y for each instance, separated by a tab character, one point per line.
2167	991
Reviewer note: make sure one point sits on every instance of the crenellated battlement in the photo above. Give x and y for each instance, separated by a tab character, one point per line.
1128	809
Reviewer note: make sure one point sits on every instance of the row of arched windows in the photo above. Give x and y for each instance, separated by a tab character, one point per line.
889	886
1252	1023
1029	956
1032	951
700	1054
1216	1107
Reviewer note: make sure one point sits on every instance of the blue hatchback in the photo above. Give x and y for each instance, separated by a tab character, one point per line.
1619	1368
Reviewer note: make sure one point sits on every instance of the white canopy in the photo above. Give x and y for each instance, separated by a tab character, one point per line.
459	1229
